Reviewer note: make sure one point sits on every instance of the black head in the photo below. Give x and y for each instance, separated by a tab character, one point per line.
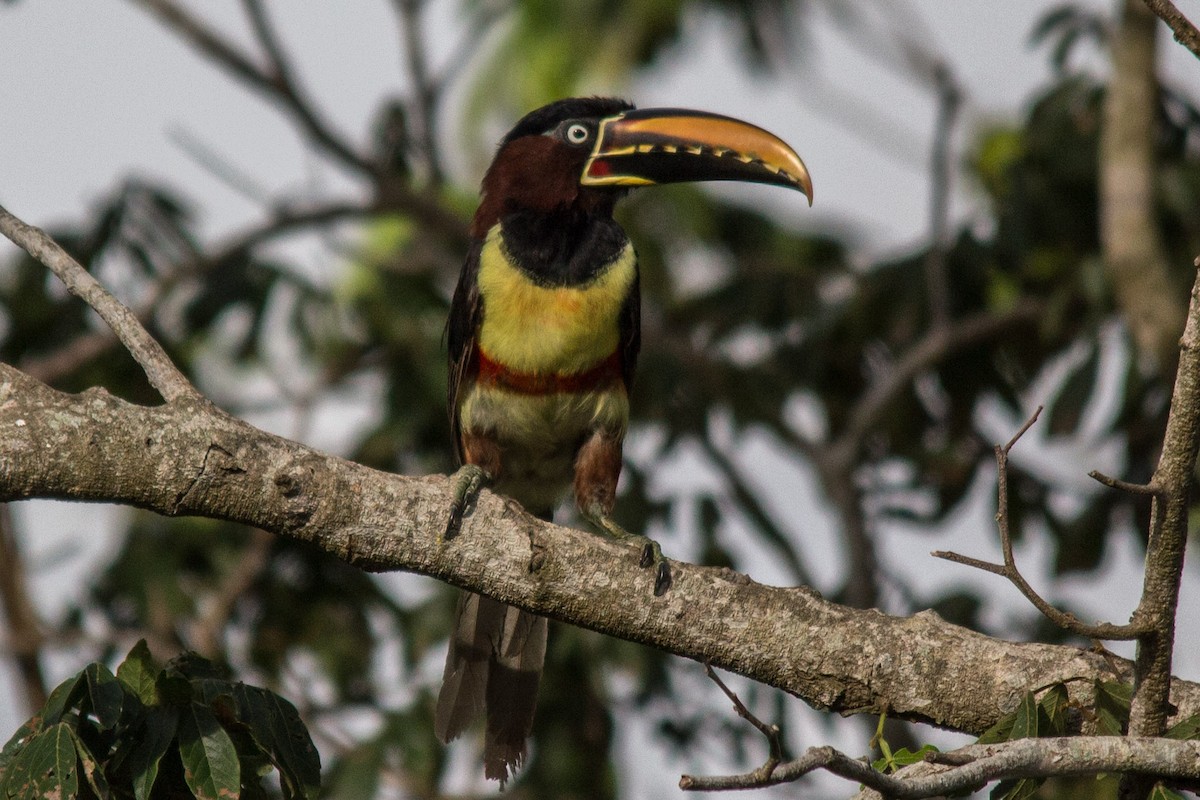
580	154
549	117
539	163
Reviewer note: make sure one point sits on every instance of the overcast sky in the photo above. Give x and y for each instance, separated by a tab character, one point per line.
96	91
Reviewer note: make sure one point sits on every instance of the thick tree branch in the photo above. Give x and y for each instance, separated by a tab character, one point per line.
1133	250
1169	517
188	458
162	374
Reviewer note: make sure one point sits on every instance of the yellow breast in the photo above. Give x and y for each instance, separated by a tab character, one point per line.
564	329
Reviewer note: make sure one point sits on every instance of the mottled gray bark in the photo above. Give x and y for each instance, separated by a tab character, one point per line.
189	458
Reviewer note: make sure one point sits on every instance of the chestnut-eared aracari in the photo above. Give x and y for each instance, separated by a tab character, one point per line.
543	337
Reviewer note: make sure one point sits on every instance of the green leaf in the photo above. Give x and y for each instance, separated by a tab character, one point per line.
1025	725
1160	792
1001	731
1185	729
139	672
92	770
276	727
903	757
105	695
210	762
14	746
1016	789
45	768
172	689
1054	710
159	728
65	695
1112	707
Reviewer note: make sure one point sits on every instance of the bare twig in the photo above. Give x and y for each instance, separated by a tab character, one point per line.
277	84
975	765
1009	570
162	374
425	90
937	277
1145	489
837	461
769	731
1183	29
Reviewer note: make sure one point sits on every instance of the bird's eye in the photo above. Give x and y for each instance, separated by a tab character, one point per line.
577	133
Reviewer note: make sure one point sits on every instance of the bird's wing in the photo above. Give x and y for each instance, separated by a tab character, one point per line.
630	328
462	327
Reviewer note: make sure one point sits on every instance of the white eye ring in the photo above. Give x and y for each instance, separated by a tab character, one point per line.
577	133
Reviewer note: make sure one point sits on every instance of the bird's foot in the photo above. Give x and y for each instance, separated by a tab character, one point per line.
465	486
651	552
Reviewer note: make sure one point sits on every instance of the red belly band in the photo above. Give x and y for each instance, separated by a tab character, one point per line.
496	375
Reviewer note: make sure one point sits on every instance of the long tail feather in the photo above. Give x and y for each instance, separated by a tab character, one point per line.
494	665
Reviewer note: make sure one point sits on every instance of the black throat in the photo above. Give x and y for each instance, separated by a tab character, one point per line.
564	247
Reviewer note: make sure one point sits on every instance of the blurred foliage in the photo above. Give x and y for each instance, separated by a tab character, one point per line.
745	321
183	730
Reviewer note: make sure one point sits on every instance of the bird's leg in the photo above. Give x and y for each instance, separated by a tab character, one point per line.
465	485
482	456
597	468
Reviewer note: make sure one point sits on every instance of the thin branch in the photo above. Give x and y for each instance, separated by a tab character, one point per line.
277	84
217	165
971	767
769	731
1009	570
425	90
162	374
1183	29
749	502
1143	489
208	630
937	277
24	637
931	348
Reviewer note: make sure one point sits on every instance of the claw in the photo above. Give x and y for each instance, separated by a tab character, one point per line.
662	578
467	482
650	556
647	555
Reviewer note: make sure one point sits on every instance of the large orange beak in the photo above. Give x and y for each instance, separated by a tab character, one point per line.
670	145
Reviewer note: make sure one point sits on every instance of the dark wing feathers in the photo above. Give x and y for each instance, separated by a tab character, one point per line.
461	327
630	328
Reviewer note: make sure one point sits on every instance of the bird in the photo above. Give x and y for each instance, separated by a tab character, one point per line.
543	336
